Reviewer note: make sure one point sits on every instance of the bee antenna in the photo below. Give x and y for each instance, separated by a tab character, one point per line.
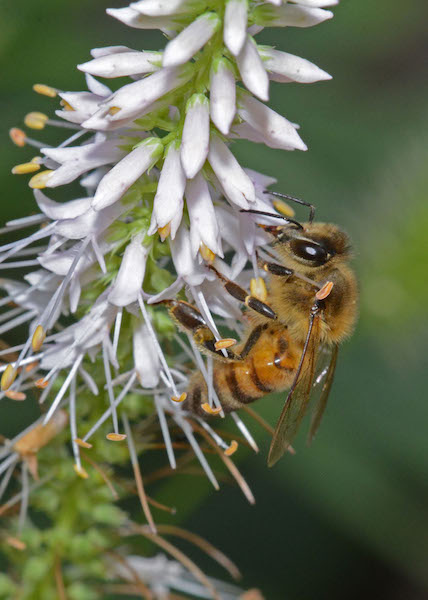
268	214
297	200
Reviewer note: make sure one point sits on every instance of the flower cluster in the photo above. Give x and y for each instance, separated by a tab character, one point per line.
162	198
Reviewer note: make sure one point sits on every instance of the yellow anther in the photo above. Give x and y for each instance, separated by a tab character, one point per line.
14	395
113	110
36	120
41	383
224	343
207	254
182	398
18	137
116	437
45	90
232	448
210	410
38	338
39	181
25	168
164	231
283	208
258	288
324	291
16	543
66	105
80	471
82	443
8	377
31	366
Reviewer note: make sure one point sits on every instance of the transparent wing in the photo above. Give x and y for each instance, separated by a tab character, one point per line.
298	397
324	380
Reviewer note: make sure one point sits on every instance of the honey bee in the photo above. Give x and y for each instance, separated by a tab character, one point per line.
292	341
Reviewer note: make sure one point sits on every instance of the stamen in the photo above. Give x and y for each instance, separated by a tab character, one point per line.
89	381
232	448
325	291
38	338
203	307
283	208
41	383
8	377
113	110
243	429
73	424
224	343
18	137
45	90
14	395
80	471
164	231
165	432
99	255
63	389
36	120
116	437
25	496
6	479
209	410
258	288
39	181
117	325
207	254
110	389
107	413
181	398
82	443
196	449
25	168
12	459
16	543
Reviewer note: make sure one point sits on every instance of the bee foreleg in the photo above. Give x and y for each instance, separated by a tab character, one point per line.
242	295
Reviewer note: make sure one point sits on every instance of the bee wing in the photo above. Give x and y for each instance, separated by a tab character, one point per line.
326	383
298	397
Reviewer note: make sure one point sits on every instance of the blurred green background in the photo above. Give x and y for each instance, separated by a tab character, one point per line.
348	517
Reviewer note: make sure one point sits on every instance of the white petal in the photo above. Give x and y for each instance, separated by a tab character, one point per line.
196	135
106	50
285	67
76	160
203	221
123	64
317	3
168	202
252	71
261	182
146	358
135	98
129	280
135	19
61	210
184	263
96	87
81	106
190	40
269	124
91	223
290	15
156	8
222	95
235	25
236	184
120	178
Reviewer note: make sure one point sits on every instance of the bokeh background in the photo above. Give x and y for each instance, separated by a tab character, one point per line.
348	517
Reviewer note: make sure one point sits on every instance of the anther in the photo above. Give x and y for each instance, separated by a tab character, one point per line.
66	105
45	90
182	398
25	168
224	343
41	383
82	443
164	231
16	543
14	395
113	110
8	377
258	288
324	291
38	338
39	181
116	437
210	410
18	137
36	120
207	254
232	448
80	471
283	208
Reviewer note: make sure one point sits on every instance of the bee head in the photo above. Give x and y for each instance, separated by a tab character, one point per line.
315	244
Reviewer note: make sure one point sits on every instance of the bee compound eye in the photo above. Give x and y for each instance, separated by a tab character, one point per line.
310	251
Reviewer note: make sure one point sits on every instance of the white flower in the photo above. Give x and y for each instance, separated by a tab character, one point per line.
168	202
252	71
196	134
146	359
133	18
284	67
290	15
235	25
190	40
203	221
129	280
222	95
120	178
122	64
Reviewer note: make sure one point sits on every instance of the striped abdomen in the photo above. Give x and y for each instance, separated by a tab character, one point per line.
268	366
